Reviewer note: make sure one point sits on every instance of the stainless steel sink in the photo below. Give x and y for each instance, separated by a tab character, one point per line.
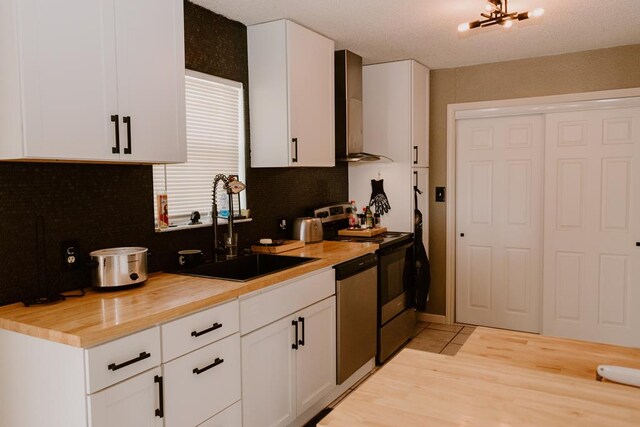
246	267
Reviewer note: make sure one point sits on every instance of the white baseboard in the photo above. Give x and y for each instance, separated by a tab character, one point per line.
431	318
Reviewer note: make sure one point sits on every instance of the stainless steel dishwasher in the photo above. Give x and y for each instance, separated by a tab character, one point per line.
356	294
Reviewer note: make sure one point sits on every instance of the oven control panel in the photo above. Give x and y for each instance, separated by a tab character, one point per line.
333	212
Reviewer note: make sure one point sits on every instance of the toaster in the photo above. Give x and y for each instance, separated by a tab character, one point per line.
307	229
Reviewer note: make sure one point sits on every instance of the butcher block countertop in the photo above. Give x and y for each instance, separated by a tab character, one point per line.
99	317
498	378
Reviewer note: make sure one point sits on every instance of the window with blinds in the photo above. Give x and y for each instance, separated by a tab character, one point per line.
215	144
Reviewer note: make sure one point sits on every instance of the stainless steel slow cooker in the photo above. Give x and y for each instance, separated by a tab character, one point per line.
118	267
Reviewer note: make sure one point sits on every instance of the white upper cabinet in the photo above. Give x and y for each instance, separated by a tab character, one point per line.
92	80
396	111
291	96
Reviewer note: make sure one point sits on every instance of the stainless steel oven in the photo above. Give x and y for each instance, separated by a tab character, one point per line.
396	296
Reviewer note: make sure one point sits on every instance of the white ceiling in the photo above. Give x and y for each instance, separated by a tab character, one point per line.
426	30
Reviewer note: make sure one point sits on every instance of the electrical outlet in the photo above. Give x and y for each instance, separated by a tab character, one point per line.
70	251
282	225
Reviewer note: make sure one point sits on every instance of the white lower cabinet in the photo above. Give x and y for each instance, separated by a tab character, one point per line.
131	403
262	360
316	355
288	365
230	417
268	375
202	383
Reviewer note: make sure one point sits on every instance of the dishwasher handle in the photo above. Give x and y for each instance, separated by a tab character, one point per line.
355	266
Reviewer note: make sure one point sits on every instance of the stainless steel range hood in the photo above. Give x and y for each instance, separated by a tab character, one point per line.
348	87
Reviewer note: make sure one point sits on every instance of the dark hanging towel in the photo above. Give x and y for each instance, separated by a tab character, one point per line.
422	273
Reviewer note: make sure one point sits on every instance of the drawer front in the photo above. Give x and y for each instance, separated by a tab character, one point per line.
118	360
273	304
197	330
230	417
200	384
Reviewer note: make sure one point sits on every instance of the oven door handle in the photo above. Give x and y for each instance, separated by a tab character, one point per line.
386	251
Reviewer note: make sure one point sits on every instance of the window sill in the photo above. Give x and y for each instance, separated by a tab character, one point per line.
208	224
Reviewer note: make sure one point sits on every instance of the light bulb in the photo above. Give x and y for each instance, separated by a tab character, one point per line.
536	13
507	24
464	27
489	7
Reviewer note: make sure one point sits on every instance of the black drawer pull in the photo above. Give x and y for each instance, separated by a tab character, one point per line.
215	363
295	342
116	149
301	320
415	148
143	355
127	120
206	331
160	411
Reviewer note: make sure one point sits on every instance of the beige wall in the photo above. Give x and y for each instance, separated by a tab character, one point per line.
602	69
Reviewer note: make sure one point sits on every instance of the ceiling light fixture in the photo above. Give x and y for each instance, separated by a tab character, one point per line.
497	12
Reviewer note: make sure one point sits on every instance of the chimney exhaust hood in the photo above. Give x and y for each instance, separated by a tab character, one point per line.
348	96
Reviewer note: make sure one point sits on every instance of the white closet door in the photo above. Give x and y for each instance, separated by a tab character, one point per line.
592	226
499	221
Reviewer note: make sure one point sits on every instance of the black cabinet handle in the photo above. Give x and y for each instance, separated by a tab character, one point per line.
160	411
415	149
116	149
295	150
461	234
295	342
215	363
415	179
301	320
206	331
127	121
143	355
637	243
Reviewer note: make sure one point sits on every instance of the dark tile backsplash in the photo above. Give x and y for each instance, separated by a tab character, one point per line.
112	205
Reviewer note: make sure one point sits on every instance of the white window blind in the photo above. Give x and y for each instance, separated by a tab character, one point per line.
215	144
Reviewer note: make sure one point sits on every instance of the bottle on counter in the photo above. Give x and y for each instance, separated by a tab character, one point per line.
353	220
368	217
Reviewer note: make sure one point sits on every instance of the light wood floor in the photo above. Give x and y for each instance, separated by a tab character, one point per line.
546	354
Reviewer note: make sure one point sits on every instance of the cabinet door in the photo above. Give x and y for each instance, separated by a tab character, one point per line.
67	56
421	180
131	403
230	417
316	355
419	115
202	383
386	93
311	97
268	366
150	58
